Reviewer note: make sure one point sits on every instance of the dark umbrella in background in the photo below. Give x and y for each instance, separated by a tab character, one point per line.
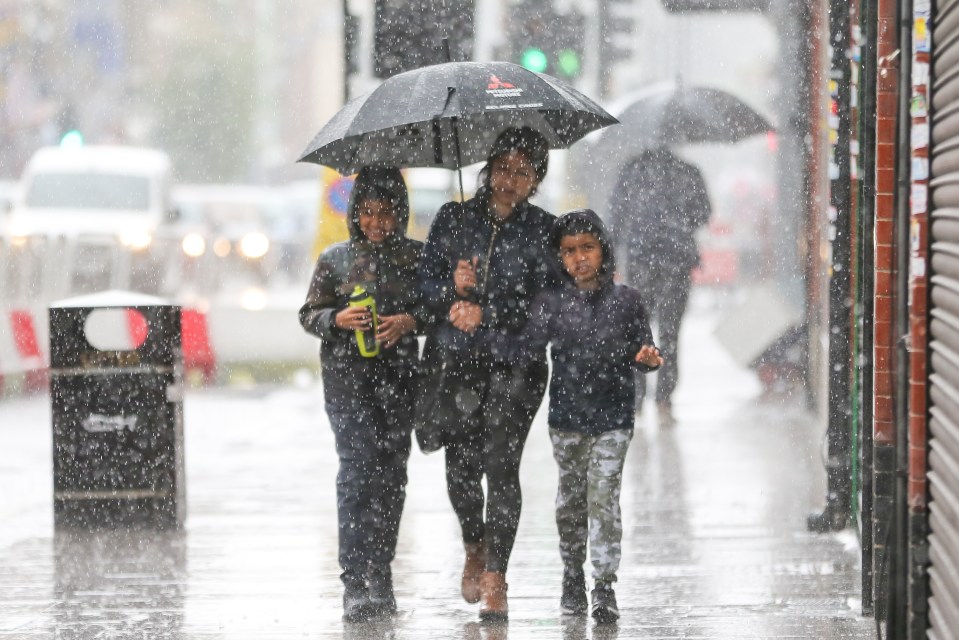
671	114
665	115
448	115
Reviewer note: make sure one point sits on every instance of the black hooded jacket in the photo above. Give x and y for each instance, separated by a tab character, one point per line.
594	335
387	271
512	265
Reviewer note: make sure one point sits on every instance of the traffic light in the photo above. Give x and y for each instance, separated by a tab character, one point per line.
617	21
569	44
396	37
351	37
408	34
527	35
544	41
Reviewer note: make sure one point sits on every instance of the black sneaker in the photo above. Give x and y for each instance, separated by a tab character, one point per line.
573	601
604	604
357	606
381	591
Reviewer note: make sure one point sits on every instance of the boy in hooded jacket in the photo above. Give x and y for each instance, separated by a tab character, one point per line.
599	334
368	399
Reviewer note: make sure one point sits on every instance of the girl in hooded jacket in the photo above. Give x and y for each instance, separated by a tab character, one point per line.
599	333
368	399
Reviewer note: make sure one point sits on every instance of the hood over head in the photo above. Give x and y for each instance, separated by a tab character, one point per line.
583	221
379	183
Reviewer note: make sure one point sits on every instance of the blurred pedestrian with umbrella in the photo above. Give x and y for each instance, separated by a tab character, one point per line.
368	399
658	205
659	202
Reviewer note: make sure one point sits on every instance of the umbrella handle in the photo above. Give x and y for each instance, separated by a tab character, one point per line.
437	142
459	172
459	157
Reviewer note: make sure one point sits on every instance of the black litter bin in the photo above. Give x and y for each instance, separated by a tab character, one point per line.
117	412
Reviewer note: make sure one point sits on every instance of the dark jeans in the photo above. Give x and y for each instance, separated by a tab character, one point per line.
372	433
496	406
665	293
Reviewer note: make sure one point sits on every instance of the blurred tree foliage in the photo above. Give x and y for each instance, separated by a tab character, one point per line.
205	95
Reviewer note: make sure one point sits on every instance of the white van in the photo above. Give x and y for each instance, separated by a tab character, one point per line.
102	214
123	192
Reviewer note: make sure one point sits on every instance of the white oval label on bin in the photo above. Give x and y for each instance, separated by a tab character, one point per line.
116	329
99	423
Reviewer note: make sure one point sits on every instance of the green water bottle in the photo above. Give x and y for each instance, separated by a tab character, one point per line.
366	340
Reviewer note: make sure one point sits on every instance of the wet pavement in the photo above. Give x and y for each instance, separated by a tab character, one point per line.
714	543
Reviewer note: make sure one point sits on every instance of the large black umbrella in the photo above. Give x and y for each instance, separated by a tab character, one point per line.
664	115
672	113
448	115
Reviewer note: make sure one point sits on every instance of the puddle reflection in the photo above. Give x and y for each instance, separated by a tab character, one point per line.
119	582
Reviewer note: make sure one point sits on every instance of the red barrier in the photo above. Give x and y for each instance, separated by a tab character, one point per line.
195	340
29	358
197	350
136	327
36	376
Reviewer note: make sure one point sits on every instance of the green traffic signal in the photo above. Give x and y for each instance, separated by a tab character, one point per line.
568	63
71	139
534	59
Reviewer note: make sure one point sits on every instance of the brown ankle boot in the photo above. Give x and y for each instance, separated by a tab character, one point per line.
493	606
472	570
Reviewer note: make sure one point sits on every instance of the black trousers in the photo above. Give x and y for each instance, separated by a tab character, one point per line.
371	427
495	406
665	294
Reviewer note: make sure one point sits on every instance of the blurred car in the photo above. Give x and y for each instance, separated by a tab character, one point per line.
96	210
119	191
226	235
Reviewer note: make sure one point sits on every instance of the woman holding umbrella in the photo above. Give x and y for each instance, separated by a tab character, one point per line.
483	263
368	391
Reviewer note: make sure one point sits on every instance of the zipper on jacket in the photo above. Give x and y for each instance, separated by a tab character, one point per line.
489	254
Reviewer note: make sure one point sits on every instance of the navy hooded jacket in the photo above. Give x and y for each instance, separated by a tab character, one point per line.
594	336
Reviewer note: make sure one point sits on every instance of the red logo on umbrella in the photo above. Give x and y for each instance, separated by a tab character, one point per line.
496	83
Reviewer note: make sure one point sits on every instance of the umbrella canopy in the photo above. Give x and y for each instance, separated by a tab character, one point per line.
662	115
448	115
670	114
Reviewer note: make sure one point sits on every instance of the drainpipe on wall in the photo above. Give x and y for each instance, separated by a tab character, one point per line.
867	264
885	291
838	464
898	551
915	546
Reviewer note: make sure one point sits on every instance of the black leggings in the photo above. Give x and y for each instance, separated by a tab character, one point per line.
496	406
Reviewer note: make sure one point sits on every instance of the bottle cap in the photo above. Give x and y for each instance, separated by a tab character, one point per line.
358	293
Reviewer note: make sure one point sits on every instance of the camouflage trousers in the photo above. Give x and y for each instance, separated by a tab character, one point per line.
587	500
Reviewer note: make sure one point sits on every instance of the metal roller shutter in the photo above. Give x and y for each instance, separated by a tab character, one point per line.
943	462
